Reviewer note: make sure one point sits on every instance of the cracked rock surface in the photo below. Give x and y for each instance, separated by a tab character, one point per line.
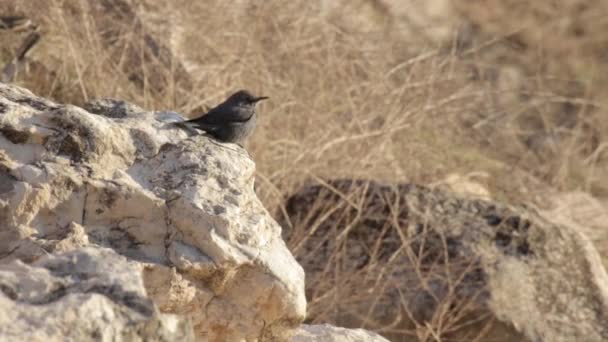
182	208
91	294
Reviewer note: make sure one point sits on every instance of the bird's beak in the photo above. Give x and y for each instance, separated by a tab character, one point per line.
260	98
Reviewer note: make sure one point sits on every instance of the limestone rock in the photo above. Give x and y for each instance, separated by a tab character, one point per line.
182	207
85	295
329	333
440	265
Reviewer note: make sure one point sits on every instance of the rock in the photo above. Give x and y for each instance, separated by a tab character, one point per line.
583	211
329	333
184	209
440	265
89	294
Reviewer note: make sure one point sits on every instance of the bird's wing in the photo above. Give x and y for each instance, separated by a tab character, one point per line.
221	115
199	124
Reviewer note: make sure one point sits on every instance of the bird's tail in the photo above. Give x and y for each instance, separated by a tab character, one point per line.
198	125
188	126
184	124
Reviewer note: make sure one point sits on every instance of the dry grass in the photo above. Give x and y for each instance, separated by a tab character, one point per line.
370	264
500	99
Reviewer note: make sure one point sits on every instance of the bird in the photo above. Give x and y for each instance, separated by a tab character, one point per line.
231	121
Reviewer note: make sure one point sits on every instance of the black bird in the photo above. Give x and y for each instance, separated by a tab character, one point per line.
232	120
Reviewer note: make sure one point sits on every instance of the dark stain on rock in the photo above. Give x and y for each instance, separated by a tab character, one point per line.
493	220
526	226
511	236
118	239
36	104
6	180
111	108
129	299
524	249
2	108
77	139
231	199
513	222
145	144
108	198
242	239
55	294
113	292
222	181
166	147
69	184
502	239
13	135
218	210
8	291
72	147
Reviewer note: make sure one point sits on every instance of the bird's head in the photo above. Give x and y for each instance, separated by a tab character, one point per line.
245	98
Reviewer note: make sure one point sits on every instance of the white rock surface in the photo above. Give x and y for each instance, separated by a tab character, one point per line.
329	333
184	208
90	294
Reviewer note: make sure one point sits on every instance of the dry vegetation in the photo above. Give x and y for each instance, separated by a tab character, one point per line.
517	93
372	263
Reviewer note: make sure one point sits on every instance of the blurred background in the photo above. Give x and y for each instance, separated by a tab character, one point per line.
508	95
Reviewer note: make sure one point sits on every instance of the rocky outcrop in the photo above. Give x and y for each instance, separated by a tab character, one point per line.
436	264
181	208
91	294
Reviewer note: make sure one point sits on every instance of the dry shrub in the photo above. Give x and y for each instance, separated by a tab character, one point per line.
396	259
